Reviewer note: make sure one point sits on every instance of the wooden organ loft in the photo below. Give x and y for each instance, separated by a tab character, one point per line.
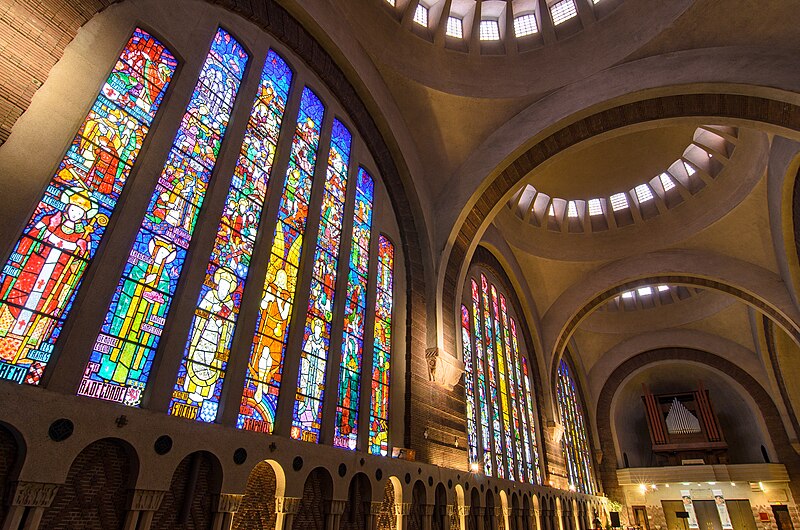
684	429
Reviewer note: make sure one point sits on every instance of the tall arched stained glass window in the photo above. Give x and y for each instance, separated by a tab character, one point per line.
39	281
381	354
202	371
355	313
123	353
316	338
265	367
575	441
500	420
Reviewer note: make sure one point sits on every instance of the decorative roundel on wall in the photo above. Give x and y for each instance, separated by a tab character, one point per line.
481	488
362	461
61	429
419	471
408	478
378	474
163	444
342	470
239	456
297	463
449	484
430	481
466	486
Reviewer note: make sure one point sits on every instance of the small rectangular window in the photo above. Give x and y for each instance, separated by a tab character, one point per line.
563	11
421	15
619	201
572	210
666	181
643	193
490	30
455	27
525	25
595	208
390	2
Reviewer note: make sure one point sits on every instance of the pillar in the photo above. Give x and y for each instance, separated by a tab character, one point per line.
30	497
374	511
536	523
142	506
285	509
479	513
518	518
427	516
502	513
402	512
226	505
333	513
463	513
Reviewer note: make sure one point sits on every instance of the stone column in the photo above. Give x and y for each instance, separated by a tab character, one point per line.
402	511
142	506
479	512
374	511
227	504
333	513
463	513
32	497
518	516
427	516
536	521
285	509
500	513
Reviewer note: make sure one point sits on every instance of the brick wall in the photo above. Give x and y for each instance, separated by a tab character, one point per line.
316	491
33	34
257	511
95	494
199	514
358	504
8	458
387	519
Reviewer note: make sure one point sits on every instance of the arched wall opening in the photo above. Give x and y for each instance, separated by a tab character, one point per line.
742	428
317	494
359	496
95	493
189	502
257	510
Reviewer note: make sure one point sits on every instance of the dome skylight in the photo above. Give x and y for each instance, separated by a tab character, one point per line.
693	171
649	296
563	11
525	25
489	30
421	15
455	27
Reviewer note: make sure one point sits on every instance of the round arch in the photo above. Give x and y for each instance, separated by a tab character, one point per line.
759	395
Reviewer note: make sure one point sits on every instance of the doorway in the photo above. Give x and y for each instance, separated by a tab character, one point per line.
640	517
782	518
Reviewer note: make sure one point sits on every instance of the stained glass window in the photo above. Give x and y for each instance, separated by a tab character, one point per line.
355	311
39	282
265	366
197	391
307	415
381	361
497	430
500	421
574	442
123	353
469	390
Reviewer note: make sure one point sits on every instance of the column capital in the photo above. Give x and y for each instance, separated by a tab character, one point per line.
402	508
287	505
375	507
229	502
335	507
479	511
34	494
463	510
427	509
145	500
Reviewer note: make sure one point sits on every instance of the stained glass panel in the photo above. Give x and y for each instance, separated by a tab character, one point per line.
513	377
202	371
483	402
346	425
497	429
574	442
39	281
379	404
466	345
123	353
307	415
265	367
